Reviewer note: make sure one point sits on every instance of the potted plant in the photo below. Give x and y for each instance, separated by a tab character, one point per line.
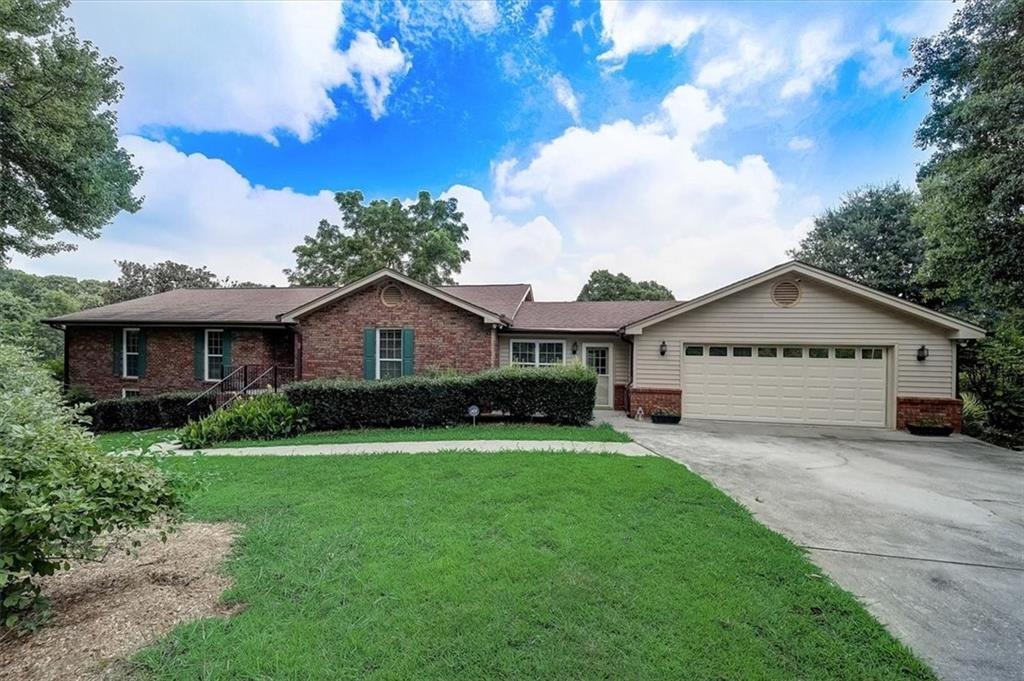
929	426
662	415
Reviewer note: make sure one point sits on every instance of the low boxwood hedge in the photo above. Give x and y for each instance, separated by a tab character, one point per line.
560	394
168	410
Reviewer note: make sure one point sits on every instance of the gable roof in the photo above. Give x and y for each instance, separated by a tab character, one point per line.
489	316
504	299
199	306
958	327
603	316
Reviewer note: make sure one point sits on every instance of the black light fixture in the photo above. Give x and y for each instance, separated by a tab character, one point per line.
922	353
575	347
663	348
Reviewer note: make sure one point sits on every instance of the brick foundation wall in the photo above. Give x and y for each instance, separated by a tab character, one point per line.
619	401
947	411
447	337
649	398
169	358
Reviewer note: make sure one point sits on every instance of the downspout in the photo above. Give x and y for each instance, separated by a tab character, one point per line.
297	353
632	368
494	346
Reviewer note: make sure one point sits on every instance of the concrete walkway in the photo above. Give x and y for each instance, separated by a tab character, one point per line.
427	447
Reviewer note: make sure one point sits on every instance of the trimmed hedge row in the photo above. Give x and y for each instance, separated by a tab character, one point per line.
560	394
169	410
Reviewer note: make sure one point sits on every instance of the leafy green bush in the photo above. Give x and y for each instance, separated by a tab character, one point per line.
974	414
177	409
76	395
994	373
168	410
264	417
561	394
133	413
58	491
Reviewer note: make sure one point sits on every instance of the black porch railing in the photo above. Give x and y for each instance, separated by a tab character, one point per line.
248	379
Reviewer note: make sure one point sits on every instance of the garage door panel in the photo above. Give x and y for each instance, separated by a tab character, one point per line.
786	389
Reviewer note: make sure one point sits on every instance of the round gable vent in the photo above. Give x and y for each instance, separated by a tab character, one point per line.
785	293
391	295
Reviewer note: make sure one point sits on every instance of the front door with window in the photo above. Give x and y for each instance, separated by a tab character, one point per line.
599	358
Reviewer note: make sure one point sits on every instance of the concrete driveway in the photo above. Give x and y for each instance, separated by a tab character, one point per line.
928	533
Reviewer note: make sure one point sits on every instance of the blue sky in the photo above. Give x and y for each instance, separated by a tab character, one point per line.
690	143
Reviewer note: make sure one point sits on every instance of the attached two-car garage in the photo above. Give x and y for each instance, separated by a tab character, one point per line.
816	384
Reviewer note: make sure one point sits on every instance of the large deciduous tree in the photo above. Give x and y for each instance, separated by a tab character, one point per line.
603	285
138	279
422	240
870	237
972	187
61	168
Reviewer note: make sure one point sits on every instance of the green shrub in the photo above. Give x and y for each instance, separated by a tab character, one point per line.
177	409
133	413
168	410
561	394
264	417
994	373
974	414
58	491
76	395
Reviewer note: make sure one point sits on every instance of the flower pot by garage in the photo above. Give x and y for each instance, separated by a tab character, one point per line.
664	418
929	430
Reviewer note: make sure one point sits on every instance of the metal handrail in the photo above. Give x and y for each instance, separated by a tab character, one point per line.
215	386
246	387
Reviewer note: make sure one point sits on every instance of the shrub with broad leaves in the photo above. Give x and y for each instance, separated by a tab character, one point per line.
61	498
263	417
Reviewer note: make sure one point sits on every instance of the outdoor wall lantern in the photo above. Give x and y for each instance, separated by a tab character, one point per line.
663	348
922	353
575	347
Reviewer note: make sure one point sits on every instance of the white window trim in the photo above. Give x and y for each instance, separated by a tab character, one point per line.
124	354
536	351
125	391
401	352
206	355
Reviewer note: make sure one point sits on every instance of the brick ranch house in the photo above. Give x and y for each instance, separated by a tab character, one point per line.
793	344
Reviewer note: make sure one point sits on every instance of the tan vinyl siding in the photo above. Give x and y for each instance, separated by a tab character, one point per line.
620	350
824	315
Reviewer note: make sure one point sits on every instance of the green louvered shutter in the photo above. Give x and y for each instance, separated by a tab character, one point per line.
226	337
408	351
116	344
142	352
369	354
199	353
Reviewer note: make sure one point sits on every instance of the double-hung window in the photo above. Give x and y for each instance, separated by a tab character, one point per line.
537	353
130	353
214	354
389	353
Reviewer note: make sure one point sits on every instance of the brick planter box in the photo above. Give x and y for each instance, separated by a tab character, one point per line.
944	410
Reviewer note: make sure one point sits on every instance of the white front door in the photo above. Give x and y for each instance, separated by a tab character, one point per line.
826	384
599	358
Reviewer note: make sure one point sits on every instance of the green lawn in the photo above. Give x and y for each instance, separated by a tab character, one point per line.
518	431
519	565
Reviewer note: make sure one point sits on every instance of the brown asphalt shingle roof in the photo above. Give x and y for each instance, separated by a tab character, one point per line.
205	305
603	315
502	299
264	305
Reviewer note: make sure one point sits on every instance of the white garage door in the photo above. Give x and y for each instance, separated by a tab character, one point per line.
789	384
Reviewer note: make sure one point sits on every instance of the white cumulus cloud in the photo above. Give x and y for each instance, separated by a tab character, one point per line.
201	211
566	96
251	68
638	198
643	26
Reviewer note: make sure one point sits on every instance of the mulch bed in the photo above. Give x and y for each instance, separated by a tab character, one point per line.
103	612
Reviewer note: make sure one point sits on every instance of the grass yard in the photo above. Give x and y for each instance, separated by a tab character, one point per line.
519	565
491	431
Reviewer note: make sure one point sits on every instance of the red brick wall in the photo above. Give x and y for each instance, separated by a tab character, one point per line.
169	358
619	401
447	337
650	398
947	411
